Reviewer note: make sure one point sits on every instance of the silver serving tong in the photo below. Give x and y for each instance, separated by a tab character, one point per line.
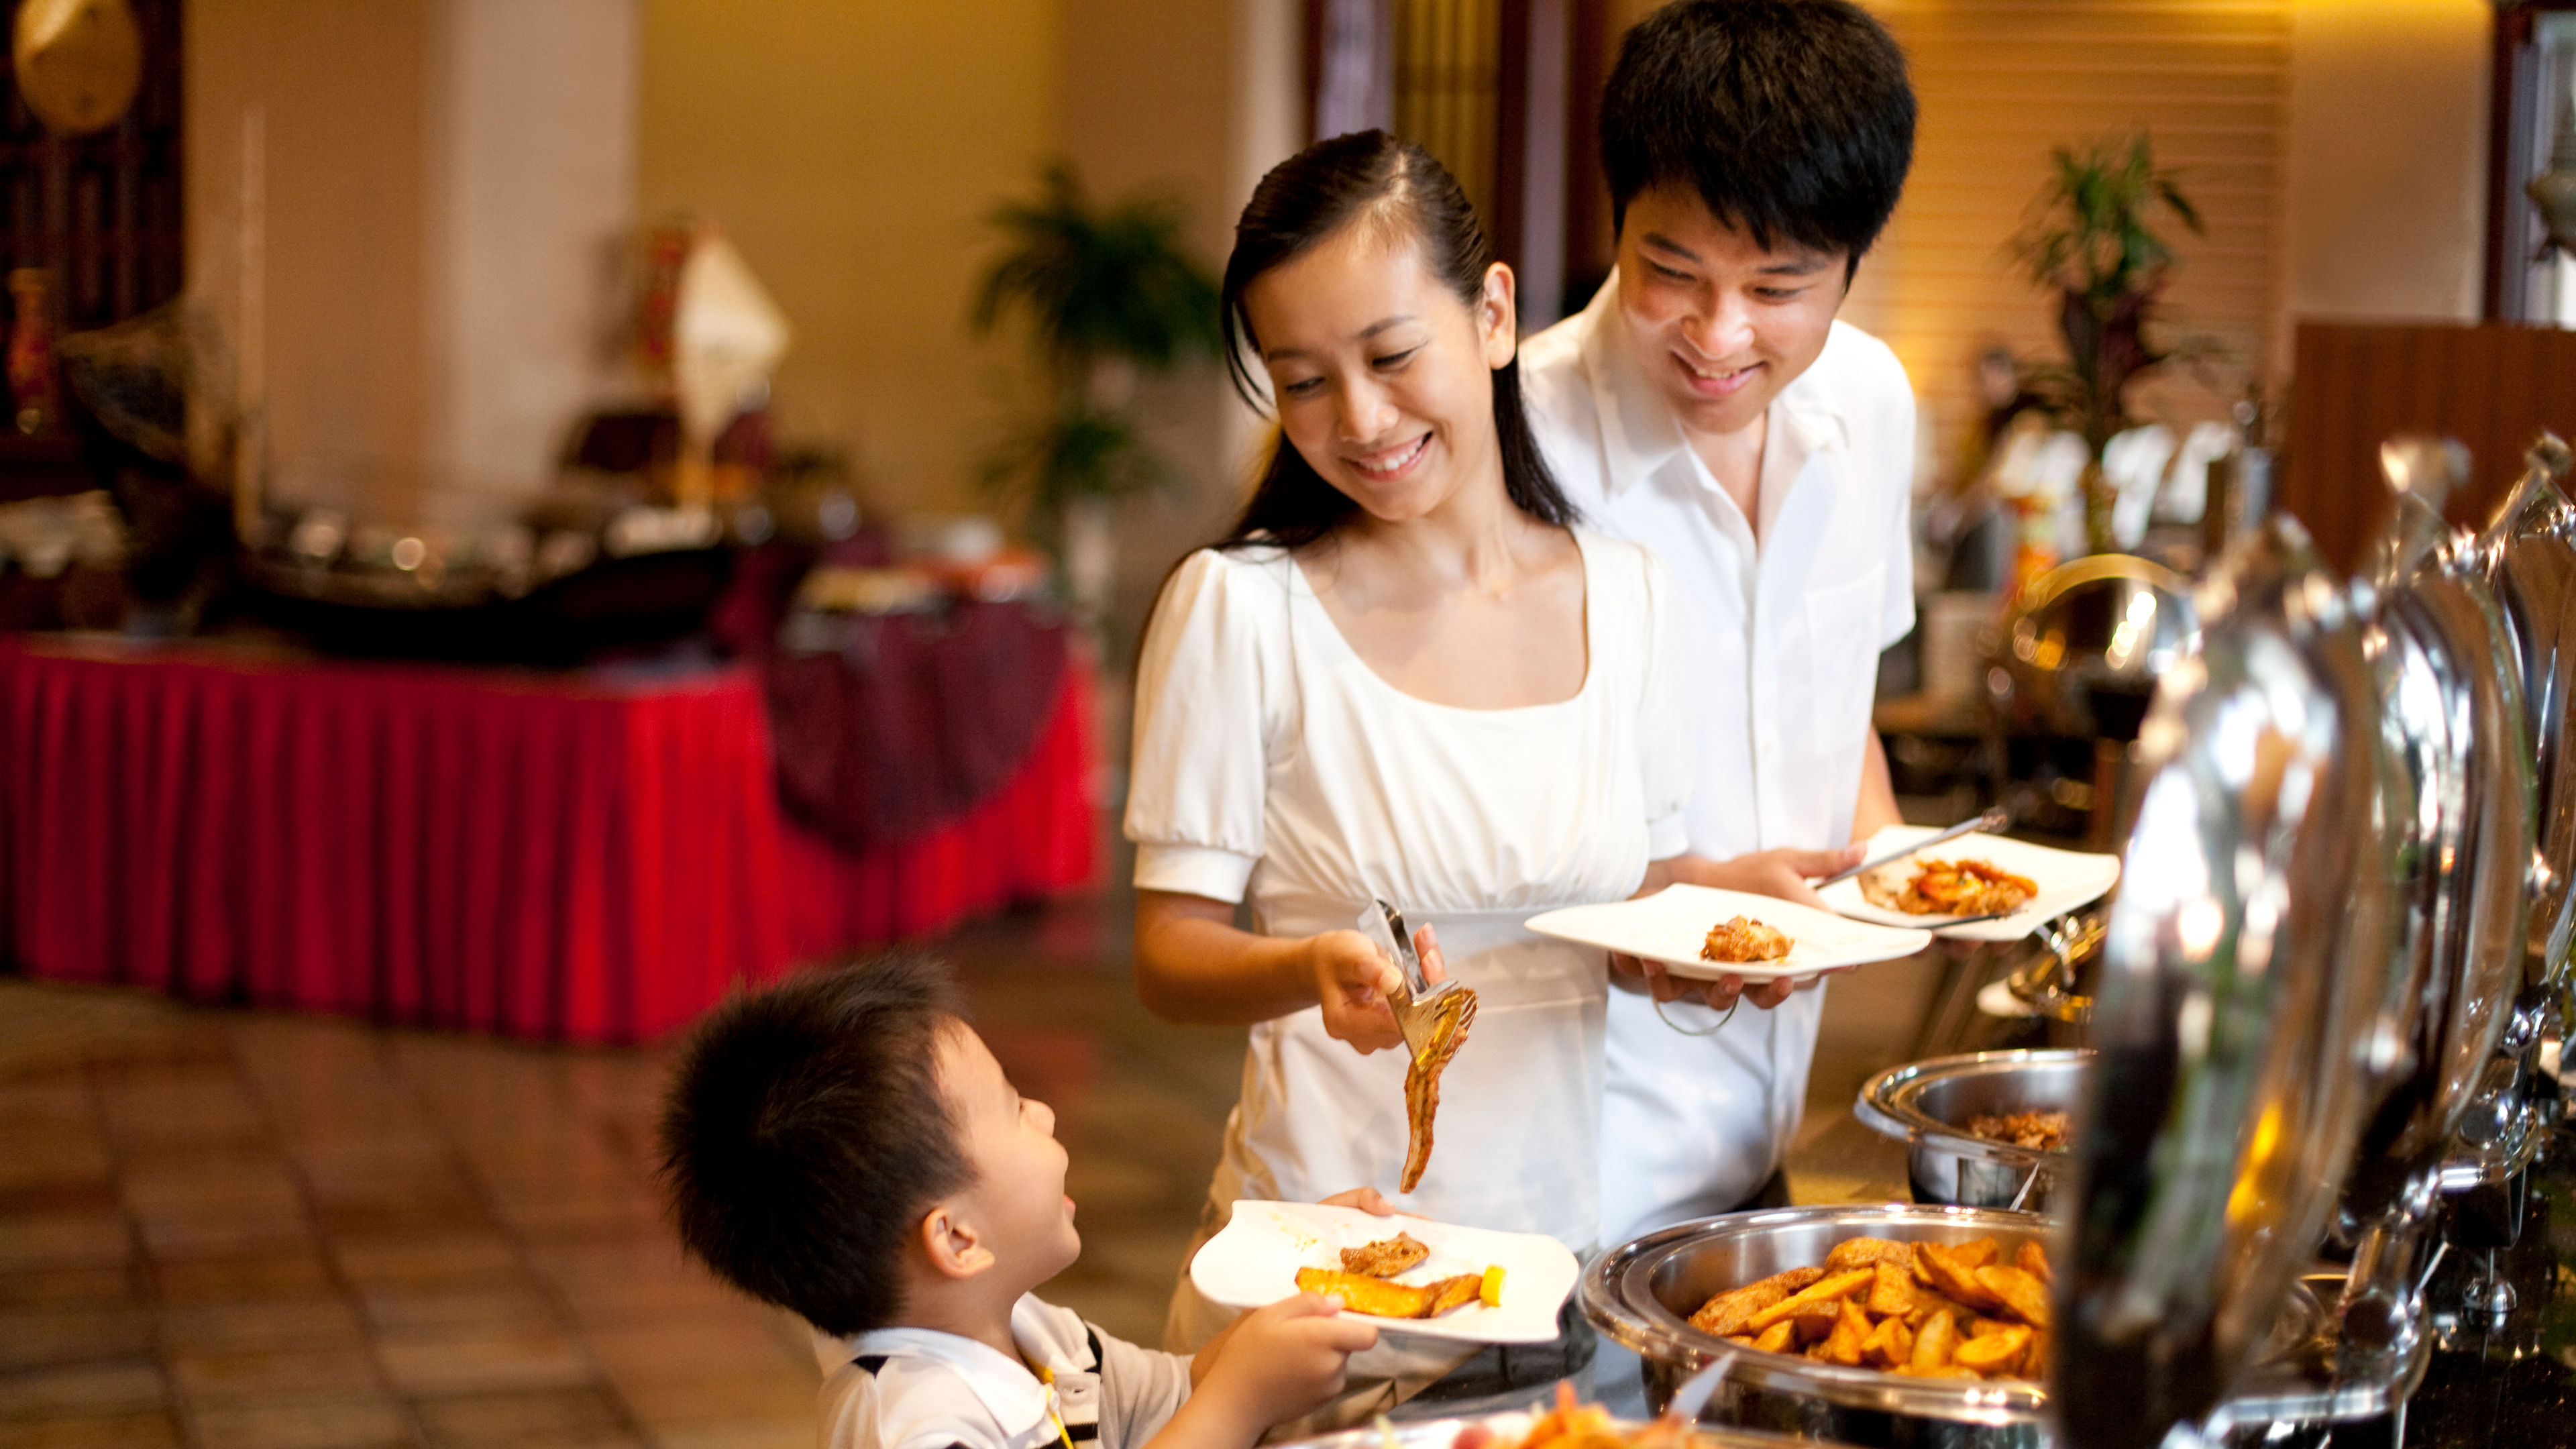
1415	1000
1995	819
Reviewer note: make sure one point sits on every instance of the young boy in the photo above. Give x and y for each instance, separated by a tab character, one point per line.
1707	402
845	1146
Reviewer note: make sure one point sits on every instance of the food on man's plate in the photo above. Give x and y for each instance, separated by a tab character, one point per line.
1927	1310
1743	939
1947	888
1452	1013
1386	1257
2042	1131
1384	1298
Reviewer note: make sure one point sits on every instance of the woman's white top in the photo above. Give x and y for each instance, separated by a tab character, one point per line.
1274	766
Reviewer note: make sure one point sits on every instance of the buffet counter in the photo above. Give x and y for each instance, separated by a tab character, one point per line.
592	856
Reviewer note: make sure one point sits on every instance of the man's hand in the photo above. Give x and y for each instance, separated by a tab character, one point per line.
1366	1199
1782	874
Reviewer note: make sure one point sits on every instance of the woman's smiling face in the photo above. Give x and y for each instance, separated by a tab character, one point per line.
1384	379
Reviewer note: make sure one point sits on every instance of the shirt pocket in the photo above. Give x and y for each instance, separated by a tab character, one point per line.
1841	658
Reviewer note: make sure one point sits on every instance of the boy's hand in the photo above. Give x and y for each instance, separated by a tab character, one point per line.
1283	1361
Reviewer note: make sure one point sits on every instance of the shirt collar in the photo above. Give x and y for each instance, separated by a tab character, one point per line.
1639	433
1004	1385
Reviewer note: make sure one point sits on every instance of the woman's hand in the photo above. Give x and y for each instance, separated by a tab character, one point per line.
1352	981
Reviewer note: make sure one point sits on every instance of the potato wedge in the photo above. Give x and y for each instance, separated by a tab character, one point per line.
1892	1291
1851	1331
1853	1253
1996	1353
1939	1267
1822	1291
2033	1259
1934	1344
1451	1294
1945	1371
1976	1252
1366	1295
2024	1296
1781	1337
1890	1345
1732	1312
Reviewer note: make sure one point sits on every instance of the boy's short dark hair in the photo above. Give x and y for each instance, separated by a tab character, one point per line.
805	1134
1792	118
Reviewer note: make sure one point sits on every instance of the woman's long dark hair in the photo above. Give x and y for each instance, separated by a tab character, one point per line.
1305	199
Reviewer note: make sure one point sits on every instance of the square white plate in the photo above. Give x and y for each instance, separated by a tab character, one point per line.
1671	925
2066	879
1255	1262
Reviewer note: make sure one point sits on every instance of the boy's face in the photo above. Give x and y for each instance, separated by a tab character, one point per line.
1720	324
1017	1200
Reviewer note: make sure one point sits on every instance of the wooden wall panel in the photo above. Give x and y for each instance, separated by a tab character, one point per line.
2490	386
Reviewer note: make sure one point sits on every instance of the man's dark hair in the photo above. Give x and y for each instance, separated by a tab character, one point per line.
1791	118
805	1134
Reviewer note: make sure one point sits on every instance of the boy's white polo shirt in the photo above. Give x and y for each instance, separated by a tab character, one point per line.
1782	636
916	1388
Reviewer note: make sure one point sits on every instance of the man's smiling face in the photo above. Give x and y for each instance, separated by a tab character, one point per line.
1719	323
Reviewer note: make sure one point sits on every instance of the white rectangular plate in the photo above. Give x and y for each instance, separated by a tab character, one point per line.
1255	1262
2066	879
1671	925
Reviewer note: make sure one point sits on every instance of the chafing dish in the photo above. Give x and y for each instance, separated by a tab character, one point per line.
1642	1294
2531	551
1927	1105
2243	969
1508	1429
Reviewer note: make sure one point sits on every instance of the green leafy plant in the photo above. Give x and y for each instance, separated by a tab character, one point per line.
2093	239
1107	293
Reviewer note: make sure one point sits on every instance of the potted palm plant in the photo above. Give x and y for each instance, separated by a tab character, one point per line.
2093	240
1107	293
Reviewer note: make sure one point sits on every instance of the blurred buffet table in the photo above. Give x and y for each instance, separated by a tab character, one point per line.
594	855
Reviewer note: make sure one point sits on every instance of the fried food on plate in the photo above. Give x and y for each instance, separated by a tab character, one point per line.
1383	1298
1744	939
1929	1310
1386	1257
1947	888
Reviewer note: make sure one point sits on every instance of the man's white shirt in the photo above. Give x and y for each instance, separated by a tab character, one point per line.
916	1388
1782	629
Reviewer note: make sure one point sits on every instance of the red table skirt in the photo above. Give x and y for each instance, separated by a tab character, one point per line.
541	856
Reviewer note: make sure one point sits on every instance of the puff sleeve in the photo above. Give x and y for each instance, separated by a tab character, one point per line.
1209	687
1665	755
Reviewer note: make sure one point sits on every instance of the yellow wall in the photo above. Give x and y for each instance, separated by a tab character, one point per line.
2386	190
851	150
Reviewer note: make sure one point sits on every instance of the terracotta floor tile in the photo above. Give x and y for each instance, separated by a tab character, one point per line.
569	1418
65	1240
68	1196
776	1432
391	1310
202	1233
236	1186
39	1337
682	1347
229	1326
663	1400
297	1273
146	1429
103	1287
247	1375
445	1260
101	1388
371	1422
478	1360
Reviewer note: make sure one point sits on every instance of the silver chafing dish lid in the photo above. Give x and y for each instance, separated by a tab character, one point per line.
2231	1069
2531	548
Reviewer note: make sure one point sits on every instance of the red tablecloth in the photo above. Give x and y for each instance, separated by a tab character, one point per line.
546	856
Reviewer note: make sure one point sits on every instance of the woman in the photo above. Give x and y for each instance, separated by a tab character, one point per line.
1405	674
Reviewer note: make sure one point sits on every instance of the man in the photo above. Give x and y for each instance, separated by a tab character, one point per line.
1707	402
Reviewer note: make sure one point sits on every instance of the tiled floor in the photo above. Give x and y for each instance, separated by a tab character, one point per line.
224	1228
